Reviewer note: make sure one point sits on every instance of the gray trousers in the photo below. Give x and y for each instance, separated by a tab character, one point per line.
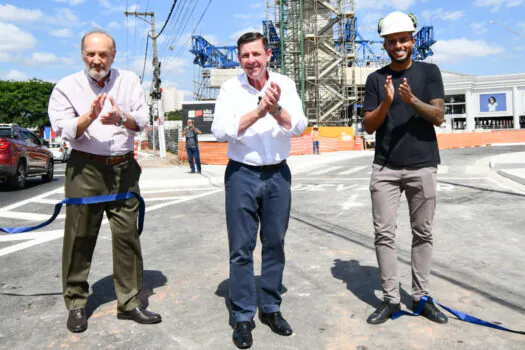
386	186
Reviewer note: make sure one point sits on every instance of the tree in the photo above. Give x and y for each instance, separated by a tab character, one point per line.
25	102
174	115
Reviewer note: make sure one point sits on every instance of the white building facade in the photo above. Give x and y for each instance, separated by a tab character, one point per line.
172	99
474	103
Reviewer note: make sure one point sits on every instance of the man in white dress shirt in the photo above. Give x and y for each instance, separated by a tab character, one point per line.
99	110
257	112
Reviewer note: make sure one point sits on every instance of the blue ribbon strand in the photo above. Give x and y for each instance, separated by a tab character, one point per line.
85	200
460	315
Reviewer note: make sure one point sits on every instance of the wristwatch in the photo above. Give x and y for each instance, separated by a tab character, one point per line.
123	118
277	111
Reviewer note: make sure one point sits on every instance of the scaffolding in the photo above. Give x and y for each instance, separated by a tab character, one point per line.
317	50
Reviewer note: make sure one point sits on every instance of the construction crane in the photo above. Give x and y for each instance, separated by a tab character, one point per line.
208	55
211	56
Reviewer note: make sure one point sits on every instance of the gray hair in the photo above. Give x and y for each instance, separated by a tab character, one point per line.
98	31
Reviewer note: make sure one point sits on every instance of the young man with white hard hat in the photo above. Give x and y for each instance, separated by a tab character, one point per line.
403	102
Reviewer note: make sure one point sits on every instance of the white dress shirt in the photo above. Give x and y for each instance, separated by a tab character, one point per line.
265	142
73	96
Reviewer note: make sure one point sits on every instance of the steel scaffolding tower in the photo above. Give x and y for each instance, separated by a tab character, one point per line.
317	52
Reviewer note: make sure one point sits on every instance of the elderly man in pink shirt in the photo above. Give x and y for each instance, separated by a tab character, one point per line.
99	110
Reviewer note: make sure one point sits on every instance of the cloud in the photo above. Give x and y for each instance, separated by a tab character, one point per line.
104	3
497	4
16	75
243	15
456	50
64	17
62	33
4	57
10	13
479	28
71	2
240	32
442	14
114	25
15	39
256	5
43	57
382	4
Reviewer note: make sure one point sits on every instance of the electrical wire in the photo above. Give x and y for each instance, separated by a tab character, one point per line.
167	20
145	58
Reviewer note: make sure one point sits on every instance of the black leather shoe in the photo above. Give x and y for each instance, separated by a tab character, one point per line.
383	313
77	321
242	334
431	312
276	322
140	315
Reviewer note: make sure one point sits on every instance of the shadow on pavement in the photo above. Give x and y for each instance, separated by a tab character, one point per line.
222	291
104	290
363	281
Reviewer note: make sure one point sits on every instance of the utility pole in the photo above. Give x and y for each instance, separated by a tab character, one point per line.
155	93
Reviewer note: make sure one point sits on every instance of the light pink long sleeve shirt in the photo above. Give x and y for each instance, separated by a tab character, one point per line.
73	96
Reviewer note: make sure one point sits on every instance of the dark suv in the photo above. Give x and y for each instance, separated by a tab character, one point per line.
23	155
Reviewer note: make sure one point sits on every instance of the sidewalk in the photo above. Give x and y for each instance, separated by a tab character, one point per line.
170	172
511	166
177	174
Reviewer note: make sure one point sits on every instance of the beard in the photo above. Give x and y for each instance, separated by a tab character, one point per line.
97	75
396	60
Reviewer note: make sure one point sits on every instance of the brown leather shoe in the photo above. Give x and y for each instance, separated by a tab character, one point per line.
140	315
77	321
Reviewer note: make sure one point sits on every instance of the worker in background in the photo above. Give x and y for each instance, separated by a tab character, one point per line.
403	102
191	133
315	138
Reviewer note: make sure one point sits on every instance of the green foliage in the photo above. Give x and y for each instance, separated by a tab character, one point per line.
25	102
174	115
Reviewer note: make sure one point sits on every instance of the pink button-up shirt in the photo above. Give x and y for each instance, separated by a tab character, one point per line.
73	96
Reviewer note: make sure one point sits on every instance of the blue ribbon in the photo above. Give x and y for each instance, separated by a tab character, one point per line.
462	316
85	200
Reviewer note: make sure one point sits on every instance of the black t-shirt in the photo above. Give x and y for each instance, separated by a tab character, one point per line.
405	139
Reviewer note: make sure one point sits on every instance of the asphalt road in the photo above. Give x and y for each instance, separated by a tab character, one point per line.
331	281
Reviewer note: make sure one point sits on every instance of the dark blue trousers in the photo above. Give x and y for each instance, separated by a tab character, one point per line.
256	196
194	158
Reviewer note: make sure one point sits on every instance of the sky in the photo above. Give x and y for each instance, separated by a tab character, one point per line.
41	38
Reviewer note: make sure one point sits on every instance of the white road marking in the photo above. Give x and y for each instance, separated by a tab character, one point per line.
352	202
28	216
442	169
324	171
38	237
354	170
32	199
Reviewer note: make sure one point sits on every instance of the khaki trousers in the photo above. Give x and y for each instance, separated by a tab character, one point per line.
386	186
86	177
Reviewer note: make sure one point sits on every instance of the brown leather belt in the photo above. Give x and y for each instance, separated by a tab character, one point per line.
108	160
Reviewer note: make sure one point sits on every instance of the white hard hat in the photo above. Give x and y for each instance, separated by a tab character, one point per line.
397	22
315	125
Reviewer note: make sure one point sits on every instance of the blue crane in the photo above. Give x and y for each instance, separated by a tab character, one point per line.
211	56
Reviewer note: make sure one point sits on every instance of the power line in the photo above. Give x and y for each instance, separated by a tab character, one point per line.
145	58
167	20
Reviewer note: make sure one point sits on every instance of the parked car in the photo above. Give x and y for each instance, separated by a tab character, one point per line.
23	155
59	150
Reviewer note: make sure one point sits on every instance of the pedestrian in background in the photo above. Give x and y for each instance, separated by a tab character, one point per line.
257	112
99	111
403	102
191	133
315	138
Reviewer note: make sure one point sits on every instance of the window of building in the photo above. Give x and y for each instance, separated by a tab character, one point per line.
455	104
